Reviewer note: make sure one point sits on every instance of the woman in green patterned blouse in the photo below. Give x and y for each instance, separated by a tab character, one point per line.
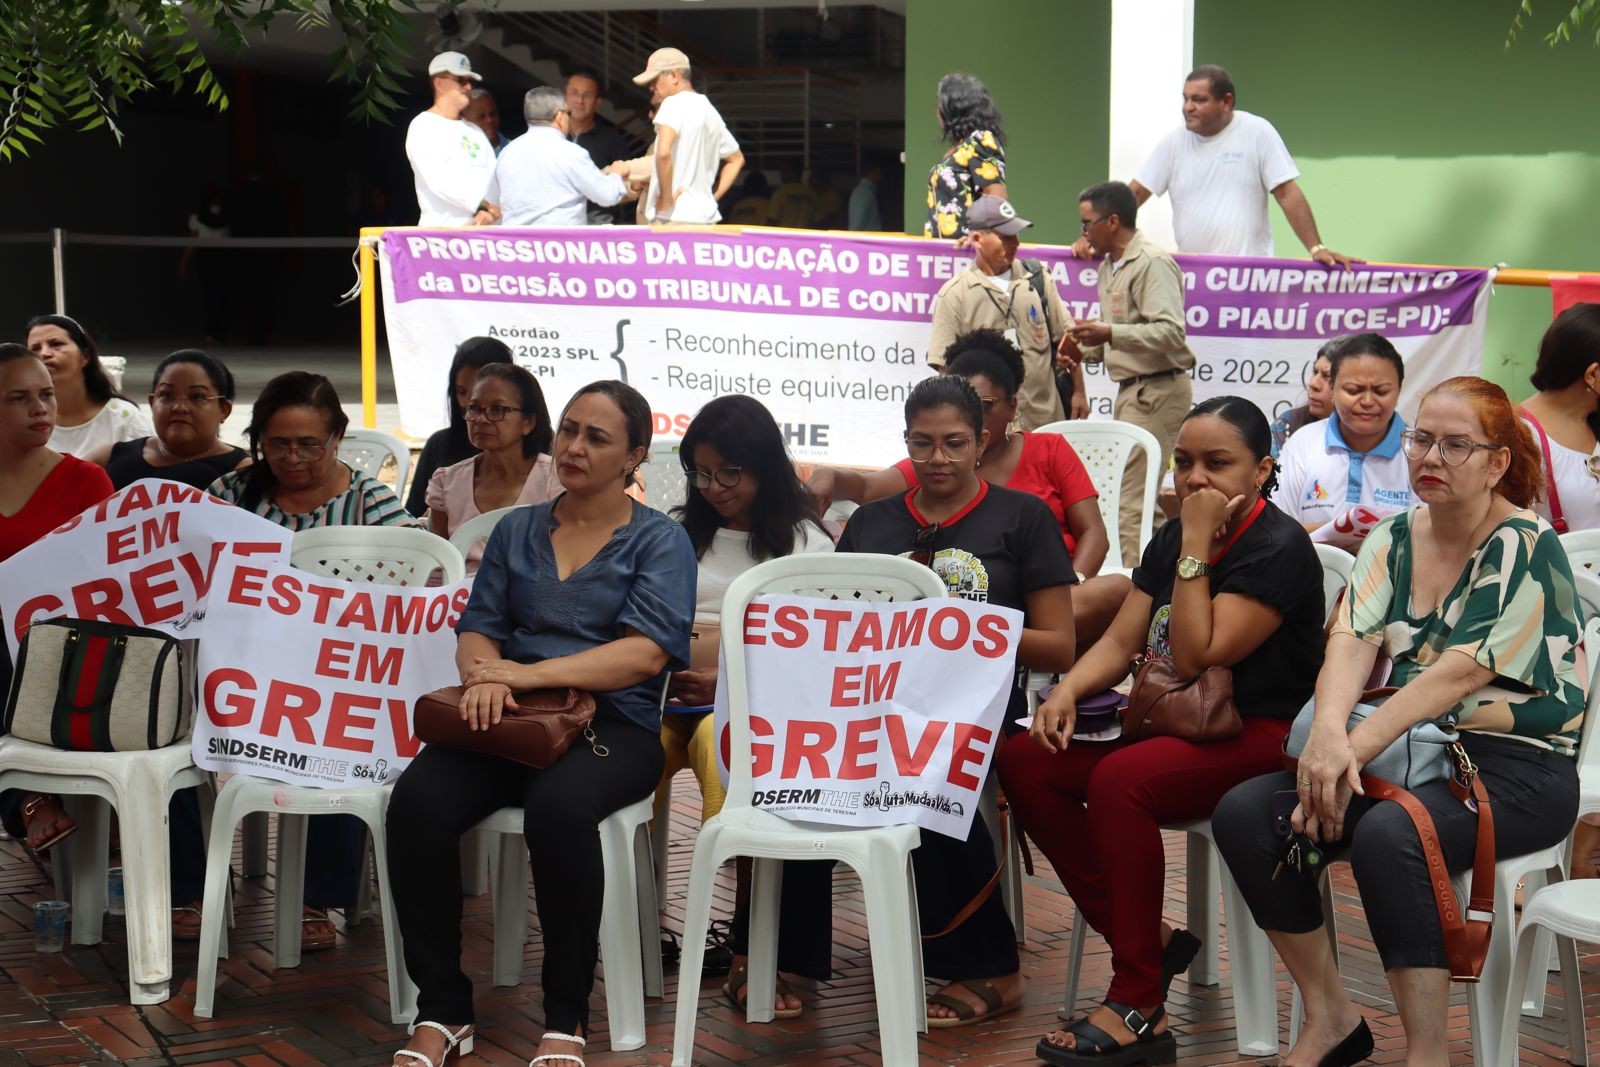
1472	599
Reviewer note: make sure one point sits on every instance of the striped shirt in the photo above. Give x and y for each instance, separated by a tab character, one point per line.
368	502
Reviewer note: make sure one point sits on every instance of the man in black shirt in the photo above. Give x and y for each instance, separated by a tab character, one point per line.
603	141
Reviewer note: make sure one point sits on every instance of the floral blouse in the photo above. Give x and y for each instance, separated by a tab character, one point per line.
958	179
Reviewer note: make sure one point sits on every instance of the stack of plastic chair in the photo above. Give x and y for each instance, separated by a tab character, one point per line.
381	555
880	855
1571	912
1104	445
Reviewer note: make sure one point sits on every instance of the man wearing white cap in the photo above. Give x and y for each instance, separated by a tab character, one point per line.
691	140
451	158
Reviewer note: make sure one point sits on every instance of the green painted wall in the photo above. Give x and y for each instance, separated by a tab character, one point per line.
1048	65
1420	139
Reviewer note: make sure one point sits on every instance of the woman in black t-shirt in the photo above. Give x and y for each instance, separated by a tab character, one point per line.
991	545
1232	583
191	397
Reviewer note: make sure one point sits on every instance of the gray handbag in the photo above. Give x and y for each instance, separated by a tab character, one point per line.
1420	755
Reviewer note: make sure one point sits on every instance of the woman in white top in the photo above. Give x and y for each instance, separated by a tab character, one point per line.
507	420
1565	415
1353	456
91	414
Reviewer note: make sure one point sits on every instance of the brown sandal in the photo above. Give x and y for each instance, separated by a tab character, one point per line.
739	981
967	1014
33	815
186	922
316	930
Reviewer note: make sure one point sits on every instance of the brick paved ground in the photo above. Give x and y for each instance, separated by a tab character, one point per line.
73	1008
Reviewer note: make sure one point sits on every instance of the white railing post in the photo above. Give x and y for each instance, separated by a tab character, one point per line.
58	265
805	116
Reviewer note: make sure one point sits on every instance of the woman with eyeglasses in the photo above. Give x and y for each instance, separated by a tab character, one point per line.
508	422
297	480
1565	416
1471	600
191	397
1353	456
453	444
745	505
1232	583
988	544
91	413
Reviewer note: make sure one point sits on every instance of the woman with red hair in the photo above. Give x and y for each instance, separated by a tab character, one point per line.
1471	598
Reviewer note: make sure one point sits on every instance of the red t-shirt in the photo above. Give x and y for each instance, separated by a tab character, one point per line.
1048	469
72	487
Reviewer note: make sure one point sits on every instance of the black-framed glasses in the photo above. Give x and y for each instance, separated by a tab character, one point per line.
277	448
194	400
922	545
955	449
1086	223
1454	450
491	412
727	477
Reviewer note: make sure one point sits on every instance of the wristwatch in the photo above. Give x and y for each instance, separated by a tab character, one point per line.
1189	567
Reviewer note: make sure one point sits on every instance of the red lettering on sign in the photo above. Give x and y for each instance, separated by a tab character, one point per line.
936	629
406	744
100	599
40	606
121	545
809	741
858	742
905	627
868	636
964	751
992	637
292	704
833	617
755	620
147	591
908	762
342	718
791	619
246	588
333	658
240	706
201	577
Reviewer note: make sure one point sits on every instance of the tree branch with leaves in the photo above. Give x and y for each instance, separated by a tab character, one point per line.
1583	13
77	62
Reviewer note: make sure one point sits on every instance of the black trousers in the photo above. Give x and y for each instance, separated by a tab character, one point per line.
1532	791
445	791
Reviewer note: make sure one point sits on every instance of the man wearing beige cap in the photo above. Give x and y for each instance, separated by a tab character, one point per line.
691	141
998	293
451	159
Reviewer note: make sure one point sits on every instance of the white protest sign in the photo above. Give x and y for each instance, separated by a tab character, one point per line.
311	680
874	714
144	556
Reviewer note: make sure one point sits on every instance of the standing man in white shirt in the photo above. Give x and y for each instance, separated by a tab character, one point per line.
691	141
1218	169
545	179
451	159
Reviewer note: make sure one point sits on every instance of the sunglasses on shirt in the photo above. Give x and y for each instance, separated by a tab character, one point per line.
922	545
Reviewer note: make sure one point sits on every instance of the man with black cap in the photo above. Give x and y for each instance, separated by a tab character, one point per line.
451	159
691	140
998	293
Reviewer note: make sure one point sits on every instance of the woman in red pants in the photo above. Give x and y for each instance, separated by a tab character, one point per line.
1233	583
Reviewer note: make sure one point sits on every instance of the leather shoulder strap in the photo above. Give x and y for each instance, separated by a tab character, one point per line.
1557	520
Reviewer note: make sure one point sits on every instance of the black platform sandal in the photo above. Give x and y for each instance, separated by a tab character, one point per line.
1096	1048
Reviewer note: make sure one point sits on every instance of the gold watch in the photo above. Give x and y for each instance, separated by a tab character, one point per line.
1189	567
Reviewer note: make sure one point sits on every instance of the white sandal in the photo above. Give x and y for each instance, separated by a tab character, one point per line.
559	1057
461	1039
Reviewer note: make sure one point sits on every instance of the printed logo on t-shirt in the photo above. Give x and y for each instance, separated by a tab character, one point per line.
1400	498
1230	157
470	143
1316	494
963	573
1158	640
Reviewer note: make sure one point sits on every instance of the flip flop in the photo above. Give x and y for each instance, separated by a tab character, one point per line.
31	808
186	922
739	980
966	1014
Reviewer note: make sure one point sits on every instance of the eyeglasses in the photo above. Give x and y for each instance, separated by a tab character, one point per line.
922	545
491	412
1086	223
194	400
278	448
955	449
727	477
1453	450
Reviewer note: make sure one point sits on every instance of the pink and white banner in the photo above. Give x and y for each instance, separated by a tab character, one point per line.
830	331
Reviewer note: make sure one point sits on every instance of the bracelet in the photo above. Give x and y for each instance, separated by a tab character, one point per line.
1319	247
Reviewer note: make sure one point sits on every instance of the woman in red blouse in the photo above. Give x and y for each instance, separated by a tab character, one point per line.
39	490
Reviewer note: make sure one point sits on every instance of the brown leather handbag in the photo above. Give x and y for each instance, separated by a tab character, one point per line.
1164	704
536	733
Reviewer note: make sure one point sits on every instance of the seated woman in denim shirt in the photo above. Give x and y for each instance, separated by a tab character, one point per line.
592	590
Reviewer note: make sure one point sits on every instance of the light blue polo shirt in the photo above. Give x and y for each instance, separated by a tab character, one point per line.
1320	476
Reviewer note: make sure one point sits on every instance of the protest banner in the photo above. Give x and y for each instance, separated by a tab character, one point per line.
311	680
144	556
830	331
874	714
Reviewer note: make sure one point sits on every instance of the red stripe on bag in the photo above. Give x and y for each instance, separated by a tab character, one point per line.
80	727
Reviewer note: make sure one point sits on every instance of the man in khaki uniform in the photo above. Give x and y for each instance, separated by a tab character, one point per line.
996	293
1140	337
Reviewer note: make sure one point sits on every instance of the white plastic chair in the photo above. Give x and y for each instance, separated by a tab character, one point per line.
1104	446
366	450
665	486
380	555
880	855
477	529
628	936
139	785
1336	567
1571	912
1583	550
